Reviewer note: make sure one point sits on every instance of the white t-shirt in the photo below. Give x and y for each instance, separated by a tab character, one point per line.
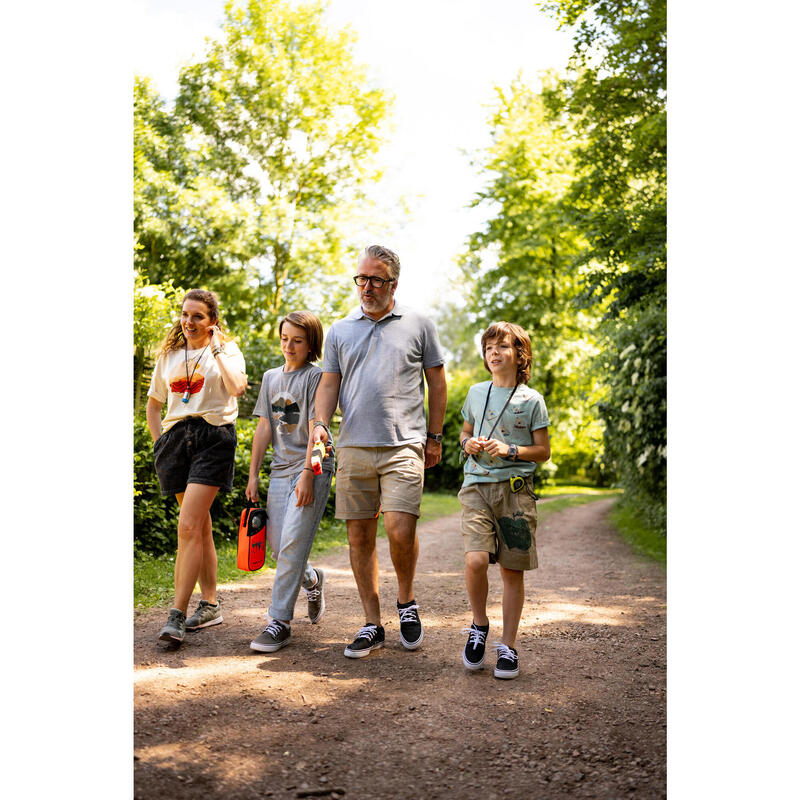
208	397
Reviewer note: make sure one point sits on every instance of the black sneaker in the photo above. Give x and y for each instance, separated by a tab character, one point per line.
475	648
410	626
274	636
370	637
507	662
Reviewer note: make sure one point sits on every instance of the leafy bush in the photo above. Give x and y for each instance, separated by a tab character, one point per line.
635	409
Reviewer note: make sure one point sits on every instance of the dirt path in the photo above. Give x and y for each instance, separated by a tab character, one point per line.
585	718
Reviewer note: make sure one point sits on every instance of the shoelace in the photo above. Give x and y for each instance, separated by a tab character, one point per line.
313	593
367	632
409	614
274	628
476	637
504	651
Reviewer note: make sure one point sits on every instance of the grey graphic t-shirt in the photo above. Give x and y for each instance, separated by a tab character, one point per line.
287	399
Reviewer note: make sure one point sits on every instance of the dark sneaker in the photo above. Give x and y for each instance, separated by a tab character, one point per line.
410	625
274	636
369	638
175	629
507	662
475	648
316	598
206	614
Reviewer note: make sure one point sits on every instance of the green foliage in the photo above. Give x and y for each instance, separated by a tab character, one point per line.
635	410
522	269
155	309
252	184
639	532
615	98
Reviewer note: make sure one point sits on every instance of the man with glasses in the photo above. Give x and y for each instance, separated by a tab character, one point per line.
375	360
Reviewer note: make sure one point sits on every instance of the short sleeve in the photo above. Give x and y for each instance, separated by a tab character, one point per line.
261	408
313	384
158	384
432	354
466	410
330	361
235	356
539	418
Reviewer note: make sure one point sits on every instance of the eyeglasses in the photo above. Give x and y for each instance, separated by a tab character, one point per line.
375	282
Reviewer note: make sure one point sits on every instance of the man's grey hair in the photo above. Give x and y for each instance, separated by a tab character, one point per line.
385	256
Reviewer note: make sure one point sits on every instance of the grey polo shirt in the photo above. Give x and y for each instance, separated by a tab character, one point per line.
381	363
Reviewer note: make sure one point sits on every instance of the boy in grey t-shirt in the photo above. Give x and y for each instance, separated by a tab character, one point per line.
297	497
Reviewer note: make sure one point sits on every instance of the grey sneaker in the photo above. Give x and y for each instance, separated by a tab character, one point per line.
205	615
175	629
316	598
274	636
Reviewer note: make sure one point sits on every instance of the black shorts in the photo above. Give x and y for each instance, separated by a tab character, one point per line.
194	451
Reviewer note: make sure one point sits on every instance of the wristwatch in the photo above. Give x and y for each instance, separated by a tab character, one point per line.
437	437
513	452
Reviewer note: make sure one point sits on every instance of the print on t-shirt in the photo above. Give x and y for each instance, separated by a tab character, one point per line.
286	411
178	383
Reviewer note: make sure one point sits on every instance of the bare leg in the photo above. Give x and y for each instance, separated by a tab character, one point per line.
195	503
477	579
401	529
364	563
513	601
208	567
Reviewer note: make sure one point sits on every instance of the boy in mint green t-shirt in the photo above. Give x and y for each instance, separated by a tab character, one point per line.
503	438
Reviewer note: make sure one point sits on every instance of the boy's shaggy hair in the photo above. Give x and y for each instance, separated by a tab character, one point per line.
519	338
311	325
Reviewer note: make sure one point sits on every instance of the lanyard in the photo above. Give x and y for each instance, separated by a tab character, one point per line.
187	393
486	405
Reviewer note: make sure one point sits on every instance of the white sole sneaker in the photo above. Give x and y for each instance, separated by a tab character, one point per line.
361	653
469	664
205	624
268	648
506	674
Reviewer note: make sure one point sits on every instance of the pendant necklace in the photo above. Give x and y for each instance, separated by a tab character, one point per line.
187	394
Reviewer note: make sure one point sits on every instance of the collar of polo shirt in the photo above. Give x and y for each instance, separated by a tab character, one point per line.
358	313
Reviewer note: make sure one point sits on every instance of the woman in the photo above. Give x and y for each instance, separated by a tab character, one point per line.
199	374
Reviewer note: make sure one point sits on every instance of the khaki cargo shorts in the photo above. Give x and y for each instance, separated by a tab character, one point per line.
500	522
385	478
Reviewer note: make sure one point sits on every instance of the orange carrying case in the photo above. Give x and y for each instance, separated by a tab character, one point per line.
251	550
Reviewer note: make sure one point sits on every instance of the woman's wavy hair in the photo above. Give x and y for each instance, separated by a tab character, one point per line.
175	340
310	323
521	341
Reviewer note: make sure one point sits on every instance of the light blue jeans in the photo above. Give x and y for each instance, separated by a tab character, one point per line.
291	531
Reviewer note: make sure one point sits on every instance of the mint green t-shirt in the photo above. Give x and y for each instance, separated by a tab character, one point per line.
523	415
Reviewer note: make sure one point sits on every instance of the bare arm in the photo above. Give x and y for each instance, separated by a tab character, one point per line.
261	441
153	414
437	403
234	380
325	402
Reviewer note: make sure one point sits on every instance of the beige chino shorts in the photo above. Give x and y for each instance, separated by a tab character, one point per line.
496	520
385	478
